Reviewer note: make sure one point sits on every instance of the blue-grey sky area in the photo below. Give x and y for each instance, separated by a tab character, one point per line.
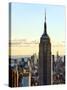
27	21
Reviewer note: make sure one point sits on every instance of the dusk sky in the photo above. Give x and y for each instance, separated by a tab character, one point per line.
27	22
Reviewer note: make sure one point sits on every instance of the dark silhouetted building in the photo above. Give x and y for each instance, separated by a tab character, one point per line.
45	58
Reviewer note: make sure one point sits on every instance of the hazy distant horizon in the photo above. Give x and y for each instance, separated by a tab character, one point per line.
24	44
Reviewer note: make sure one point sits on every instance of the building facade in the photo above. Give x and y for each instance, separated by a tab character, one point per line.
45	58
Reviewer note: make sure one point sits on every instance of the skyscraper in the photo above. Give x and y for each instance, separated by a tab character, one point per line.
45	58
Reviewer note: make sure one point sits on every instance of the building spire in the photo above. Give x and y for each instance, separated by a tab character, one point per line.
45	26
45	15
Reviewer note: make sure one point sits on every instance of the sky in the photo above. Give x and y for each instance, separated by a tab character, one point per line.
27	22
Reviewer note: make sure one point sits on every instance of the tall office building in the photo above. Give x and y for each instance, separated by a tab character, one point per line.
45	58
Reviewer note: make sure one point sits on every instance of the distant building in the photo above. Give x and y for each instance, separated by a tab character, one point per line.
34	70
13	75
58	69
19	71
45	58
34	60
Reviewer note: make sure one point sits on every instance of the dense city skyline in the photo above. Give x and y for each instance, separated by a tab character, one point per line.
40	65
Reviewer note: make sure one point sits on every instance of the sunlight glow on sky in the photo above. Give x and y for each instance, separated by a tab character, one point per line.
27	22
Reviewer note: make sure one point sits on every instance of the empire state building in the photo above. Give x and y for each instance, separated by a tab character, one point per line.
45	58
